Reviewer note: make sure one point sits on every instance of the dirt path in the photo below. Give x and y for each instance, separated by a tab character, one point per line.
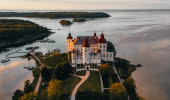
40	78
83	79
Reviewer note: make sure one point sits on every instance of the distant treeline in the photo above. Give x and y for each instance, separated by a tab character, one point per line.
54	15
14	32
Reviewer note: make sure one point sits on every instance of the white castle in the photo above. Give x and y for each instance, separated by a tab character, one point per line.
88	50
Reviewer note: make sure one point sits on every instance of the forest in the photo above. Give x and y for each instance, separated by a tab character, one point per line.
15	32
55	15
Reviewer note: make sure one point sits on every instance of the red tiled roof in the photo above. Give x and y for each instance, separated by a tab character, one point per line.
102	39
80	40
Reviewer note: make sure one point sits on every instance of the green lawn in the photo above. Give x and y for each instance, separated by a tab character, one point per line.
67	84
81	73
92	84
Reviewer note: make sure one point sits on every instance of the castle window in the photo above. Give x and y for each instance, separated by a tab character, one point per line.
100	46
110	55
104	46
107	55
103	55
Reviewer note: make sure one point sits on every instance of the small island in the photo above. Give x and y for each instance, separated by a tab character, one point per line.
55	15
80	76
15	32
65	22
79	20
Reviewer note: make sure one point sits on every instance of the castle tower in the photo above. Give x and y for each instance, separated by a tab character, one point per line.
69	43
102	45
86	52
73	55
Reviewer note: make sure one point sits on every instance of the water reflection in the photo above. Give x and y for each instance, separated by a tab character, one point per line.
153	52
13	75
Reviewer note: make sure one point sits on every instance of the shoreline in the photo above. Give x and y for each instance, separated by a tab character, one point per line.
56	15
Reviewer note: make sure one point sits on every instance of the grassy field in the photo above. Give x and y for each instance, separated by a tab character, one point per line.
92	84
67	84
81	73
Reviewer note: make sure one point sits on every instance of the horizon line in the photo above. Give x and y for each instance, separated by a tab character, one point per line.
83	9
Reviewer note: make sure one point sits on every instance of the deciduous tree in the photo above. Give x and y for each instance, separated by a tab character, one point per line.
63	70
29	96
54	88
27	88
46	74
118	92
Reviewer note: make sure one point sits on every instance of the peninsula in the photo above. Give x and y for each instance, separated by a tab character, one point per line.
89	70
15	32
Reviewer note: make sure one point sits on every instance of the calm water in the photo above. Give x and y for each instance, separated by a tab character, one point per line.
141	37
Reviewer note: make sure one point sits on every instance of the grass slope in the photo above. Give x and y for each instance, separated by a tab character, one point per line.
67	84
92	84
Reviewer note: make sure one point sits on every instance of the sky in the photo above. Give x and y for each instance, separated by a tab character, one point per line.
83	4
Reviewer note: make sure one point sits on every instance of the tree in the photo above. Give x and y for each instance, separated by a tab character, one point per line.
110	47
46	74
27	88
56	51
54	88
118	92
129	84
29	96
17	95
63	70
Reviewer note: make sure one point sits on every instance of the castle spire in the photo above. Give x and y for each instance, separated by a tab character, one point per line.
102	39
94	34
86	43
69	36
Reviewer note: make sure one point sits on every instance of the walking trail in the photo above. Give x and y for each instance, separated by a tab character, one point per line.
83	79
40	78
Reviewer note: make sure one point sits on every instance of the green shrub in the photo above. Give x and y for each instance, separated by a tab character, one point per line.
63	70
46	74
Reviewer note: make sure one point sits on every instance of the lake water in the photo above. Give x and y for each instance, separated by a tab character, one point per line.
139	36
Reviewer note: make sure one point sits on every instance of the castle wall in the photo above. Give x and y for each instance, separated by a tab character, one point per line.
82	55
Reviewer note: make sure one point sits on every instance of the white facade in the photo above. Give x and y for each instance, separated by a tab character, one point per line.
88	50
